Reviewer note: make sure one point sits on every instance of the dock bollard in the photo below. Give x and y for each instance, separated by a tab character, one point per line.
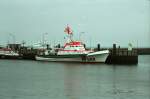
114	49
98	47
47	46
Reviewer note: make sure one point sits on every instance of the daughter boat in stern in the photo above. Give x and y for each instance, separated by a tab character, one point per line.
73	51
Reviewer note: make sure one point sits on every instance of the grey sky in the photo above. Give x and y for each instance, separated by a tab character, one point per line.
103	21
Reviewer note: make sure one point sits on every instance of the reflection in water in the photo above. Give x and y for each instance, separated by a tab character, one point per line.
85	81
72	81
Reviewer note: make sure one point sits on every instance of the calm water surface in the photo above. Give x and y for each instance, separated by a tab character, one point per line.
46	80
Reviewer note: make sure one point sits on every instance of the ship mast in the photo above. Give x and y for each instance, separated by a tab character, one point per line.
69	32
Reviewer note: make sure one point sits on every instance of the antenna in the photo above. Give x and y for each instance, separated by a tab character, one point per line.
80	35
90	41
43	39
13	37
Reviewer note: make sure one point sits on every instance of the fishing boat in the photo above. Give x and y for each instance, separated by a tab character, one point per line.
73	51
8	53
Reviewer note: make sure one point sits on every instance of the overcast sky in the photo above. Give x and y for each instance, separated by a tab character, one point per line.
102	21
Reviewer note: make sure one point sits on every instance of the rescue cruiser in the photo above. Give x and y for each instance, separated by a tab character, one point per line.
73	51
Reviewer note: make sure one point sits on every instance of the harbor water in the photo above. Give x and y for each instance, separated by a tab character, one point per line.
22	79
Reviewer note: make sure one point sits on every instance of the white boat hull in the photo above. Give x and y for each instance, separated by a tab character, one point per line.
90	58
